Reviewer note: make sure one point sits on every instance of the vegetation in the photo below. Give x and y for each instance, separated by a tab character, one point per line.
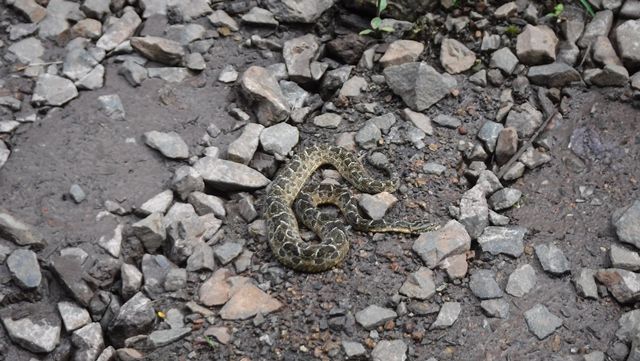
376	23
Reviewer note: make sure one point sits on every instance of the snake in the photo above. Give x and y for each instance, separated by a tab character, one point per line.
288	194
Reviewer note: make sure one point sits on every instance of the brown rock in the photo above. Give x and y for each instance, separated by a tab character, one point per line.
247	301
30	9
536	45
456	266
87	28
348	49
158	49
215	291
402	51
507	144
221	334
455	57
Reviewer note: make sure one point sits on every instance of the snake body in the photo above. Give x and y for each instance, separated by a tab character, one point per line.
288	191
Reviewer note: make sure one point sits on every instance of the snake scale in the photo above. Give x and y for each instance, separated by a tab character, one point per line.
288	192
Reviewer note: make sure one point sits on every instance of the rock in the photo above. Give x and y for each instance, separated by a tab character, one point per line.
175	280
419	285
456	266
150	231
119	30
31	9
495	308
279	139
474	212
169	74
368	136
630	9
53	90
600	25
536	45
96	9
195	61
73	315
627	224
135	317
568	53
205	204
158	49
170	144
623	285
77	194
610	75
260	16
327	120
483	284
93	80
201	258
186	180
215	291
490	42
24	268
221	18
585	283
36	336
418	84
133	72
437	245
111	106
489	133
420	120
228	74
455	57
78	62
247	301
504	198
227	252
185	11
624	258
525	121
161	338
153	8
298	55
241	150
541	322
374	316
348	49
401	51
628	325
88	342
353	87
552	259
157	204
534	158
521	281
504	60
334	79
447	316
375	206
497	219
299	11
553	75
29	50
226	175
395	350
4	156
594	356
8	126
447	121
260	85
221	334
506	10
68	266
503	240
603	52
353	349
131	280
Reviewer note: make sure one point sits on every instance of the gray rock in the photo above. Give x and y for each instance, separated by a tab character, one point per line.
77	63
600	25
154	272
474	212
77	193
298	55
437	245
552	259
534	158
455	57
24	268
623	285
524	120
221	18
419	285
368	136
506	145
111	106
73	315
418	84
29	8
610	75
299	11
447	121
53	90
374	316
158	49
489	133
624	258
161	338
420	120
39	336
490	42
604	53
88	342
521	281
296	96
176	279
504	60
201	258
226	175
536	45
279	139
185	181
260	16
228	74
8	126
434	168
594	356
241	150
119	30
93	80
541	322
498	307
170	144
227	252
131	280
375	206
627	224
628	325
169	74
205	204
553	75
11	102
334	79
353	87
506	10
504	198
483	284
630	9
503	240
585	283
96	9
157	204
195	61
395	350
353	349
135	317
68	266
133	72
568	53
327	120
150	231
447	316
497	219
29	50
261	86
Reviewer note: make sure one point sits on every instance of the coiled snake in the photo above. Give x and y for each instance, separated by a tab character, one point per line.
284	237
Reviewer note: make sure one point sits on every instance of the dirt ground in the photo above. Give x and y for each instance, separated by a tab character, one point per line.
107	158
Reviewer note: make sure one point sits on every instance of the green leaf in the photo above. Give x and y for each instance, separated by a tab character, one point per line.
375	23
366	32
588	7
387	29
382	5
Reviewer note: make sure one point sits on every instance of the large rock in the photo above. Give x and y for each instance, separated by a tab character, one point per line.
600	25
298	54
455	57
298	11
68	265
624	285
629	43
29	8
241	150
19	232
27	50
170	144
418	84
541	322
525	120
24	268
262	87
119	30
503	240
247	301
553	75
88	342
419	285
135	317
53	90
226	175
437	245
158	49
40	336
536	45
402	51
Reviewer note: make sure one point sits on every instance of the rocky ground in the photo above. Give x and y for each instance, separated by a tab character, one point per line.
137	139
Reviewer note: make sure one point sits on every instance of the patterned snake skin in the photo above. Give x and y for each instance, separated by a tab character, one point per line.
284	237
